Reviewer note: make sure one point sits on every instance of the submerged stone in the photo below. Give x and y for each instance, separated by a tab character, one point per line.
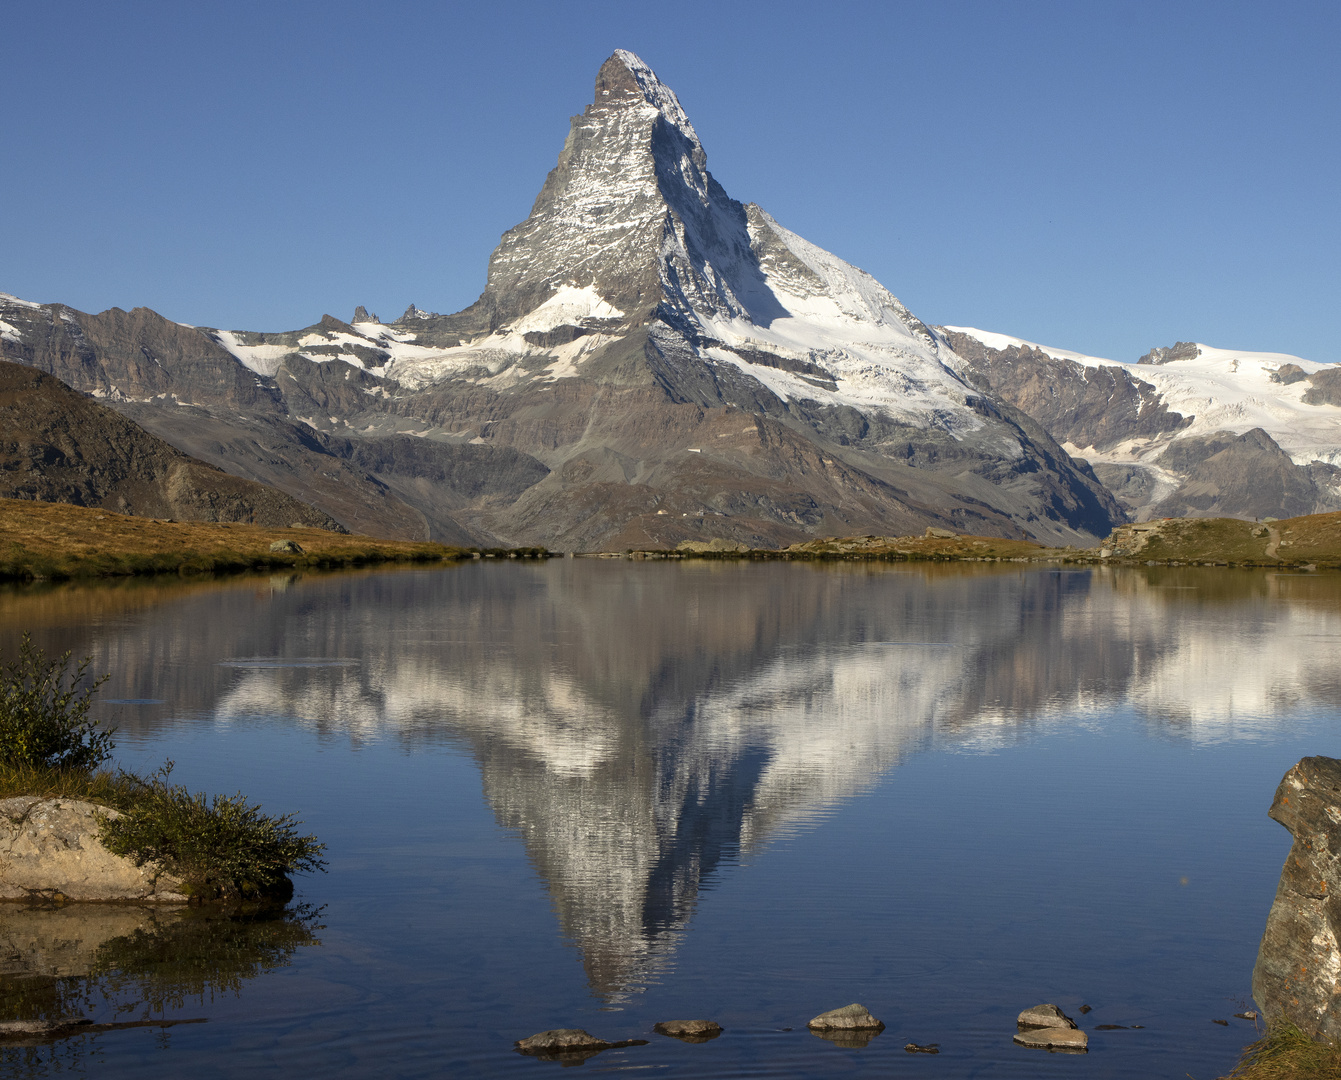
1053	1038
689	1030
560	1040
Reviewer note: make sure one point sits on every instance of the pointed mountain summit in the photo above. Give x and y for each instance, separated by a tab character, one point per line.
650	362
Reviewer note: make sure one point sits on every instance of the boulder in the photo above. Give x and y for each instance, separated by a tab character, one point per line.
696	1031
1045	1016
287	547
852	1017
1053	1038
561	1041
1298	972
49	850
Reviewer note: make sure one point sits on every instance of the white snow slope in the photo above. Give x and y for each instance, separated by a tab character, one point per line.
1223	390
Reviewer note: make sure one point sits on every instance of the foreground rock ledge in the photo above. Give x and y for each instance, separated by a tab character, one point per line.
49	850
1298	972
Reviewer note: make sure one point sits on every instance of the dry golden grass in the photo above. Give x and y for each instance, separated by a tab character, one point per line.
1288	1054
1314	540
56	541
102	787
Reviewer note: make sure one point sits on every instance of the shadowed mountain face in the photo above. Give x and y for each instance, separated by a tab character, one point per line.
651	361
58	446
641	728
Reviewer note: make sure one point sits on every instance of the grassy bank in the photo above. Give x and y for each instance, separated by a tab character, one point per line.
1311	542
1286	1053
55	541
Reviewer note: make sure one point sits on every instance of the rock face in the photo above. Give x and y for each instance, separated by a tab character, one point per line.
57	445
1186	431
1298	972
650	362
49	849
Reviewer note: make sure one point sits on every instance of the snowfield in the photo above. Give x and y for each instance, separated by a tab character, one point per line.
1223	390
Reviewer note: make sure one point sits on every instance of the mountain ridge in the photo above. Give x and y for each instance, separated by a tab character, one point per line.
677	364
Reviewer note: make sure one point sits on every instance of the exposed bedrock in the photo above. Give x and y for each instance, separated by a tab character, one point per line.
1298	973
49	850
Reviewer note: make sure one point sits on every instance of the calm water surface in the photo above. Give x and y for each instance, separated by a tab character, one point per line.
602	794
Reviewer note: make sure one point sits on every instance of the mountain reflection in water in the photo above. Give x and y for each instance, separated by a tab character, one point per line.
640	725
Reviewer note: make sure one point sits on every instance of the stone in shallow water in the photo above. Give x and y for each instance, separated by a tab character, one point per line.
1053	1038
696	1031
1298	972
1044	1016
848	1018
560	1041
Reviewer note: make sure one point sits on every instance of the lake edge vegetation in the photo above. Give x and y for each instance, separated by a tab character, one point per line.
59	542
1286	1053
221	848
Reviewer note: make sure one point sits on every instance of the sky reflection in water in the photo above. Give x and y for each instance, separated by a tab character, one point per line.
1044	757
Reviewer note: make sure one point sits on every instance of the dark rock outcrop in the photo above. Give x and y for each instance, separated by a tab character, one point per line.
1298	972
1248	475
1097	407
1182	350
1324	387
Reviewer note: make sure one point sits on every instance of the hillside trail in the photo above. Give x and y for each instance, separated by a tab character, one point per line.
1273	544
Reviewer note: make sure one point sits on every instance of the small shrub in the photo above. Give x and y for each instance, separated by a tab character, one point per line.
44	719
221	848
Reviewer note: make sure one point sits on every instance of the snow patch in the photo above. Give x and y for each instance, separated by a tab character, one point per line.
262	359
567	307
6	298
9	333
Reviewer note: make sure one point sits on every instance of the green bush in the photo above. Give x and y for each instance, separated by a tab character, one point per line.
44	719
220	848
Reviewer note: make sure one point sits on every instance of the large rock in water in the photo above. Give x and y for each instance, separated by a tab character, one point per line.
49	850
1298	972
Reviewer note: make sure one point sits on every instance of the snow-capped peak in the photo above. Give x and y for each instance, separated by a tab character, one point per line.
613	82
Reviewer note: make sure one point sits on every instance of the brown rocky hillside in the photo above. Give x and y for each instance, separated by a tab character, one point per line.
56	445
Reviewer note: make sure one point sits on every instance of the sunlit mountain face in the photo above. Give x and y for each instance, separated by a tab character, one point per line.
640	727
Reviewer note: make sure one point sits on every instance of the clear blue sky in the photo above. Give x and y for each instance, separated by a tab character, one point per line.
1101	177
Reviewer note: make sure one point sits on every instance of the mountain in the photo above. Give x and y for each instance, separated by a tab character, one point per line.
56	445
1186	431
650	362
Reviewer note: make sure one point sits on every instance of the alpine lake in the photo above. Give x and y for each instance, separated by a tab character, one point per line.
597	793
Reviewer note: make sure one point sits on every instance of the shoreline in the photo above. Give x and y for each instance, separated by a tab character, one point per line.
59	542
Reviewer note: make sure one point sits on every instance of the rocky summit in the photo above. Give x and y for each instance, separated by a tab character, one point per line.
651	362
